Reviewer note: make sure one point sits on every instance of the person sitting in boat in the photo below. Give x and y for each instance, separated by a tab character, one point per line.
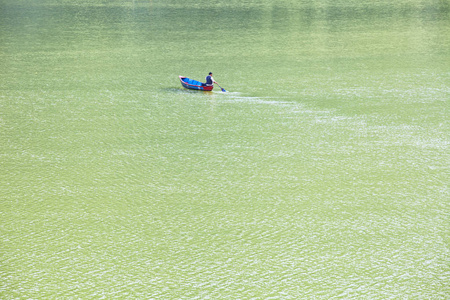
210	80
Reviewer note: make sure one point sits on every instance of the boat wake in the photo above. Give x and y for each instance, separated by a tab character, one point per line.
239	97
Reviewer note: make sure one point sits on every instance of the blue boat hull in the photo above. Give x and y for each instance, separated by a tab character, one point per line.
194	84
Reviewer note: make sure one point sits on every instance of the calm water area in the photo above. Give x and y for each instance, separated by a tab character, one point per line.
321	173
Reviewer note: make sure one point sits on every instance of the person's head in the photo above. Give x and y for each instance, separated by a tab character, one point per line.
210	73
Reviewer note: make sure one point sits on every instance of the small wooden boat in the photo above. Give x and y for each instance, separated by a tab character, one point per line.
194	84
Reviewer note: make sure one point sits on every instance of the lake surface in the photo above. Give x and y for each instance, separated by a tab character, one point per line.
322	172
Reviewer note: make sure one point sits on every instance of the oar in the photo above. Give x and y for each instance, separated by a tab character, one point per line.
223	90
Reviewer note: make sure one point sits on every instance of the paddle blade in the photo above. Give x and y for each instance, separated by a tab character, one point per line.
223	90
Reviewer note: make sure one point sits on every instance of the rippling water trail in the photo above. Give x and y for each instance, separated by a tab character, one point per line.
323	173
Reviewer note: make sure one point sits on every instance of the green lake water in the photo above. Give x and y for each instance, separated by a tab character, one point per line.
322	173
